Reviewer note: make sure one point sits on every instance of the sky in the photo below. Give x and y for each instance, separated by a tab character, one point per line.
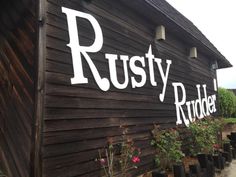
216	19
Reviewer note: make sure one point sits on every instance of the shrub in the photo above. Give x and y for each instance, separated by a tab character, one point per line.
205	135
168	148
234	113
227	101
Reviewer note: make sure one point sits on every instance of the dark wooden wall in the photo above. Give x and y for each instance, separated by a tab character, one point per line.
17	78
79	118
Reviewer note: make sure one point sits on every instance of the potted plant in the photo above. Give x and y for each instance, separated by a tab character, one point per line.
118	158
206	137
168	151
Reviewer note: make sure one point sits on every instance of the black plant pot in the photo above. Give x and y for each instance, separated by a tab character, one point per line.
217	161
158	173
179	170
227	147
206	162
222	161
203	160
210	169
195	170
210	157
233	136
234	153
227	156
233	143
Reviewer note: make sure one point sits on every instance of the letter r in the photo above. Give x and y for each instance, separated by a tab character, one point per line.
179	104
77	51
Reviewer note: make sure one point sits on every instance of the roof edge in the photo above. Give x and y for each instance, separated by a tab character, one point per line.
223	62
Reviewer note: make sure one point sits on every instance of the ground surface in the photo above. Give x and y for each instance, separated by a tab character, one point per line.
229	171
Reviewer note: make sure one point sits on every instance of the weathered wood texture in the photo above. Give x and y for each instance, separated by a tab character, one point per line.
79	118
17	78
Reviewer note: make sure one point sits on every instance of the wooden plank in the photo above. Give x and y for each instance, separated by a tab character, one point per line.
54	113
60	125
17	90
37	162
79	118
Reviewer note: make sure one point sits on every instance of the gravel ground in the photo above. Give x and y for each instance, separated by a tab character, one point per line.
229	171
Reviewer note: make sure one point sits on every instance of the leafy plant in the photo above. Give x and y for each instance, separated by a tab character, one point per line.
168	147
205	135
227	101
121	156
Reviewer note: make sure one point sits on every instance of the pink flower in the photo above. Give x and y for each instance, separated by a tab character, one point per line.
102	161
216	146
135	159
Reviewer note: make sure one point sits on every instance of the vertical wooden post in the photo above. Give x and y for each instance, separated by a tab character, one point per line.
40	81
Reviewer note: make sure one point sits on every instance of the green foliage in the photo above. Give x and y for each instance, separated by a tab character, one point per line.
168	148
205	135
1	174
230	120
234	112
227	101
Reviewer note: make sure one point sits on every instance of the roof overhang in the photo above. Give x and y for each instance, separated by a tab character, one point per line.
161	12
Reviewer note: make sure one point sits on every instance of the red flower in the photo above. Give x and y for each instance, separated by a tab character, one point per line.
135	159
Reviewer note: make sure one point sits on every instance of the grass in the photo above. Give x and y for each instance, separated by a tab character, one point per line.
230	120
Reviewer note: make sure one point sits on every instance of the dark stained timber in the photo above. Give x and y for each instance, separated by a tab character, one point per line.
79	118
51	127
17	79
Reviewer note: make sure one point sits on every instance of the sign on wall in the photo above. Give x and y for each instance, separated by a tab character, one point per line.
199	108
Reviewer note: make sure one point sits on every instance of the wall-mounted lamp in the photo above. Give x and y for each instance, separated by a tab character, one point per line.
214	65
193	52
160	33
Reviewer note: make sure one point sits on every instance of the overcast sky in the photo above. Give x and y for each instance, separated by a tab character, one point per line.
217	21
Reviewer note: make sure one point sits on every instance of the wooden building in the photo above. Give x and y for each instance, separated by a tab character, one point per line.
128	64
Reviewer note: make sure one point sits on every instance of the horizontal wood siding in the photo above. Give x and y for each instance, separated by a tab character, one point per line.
17	78
79	118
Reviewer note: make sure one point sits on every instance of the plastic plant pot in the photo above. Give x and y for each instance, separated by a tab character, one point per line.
227	156
179	170
234	153
233	136
195	170
217	161
158	173
203	160
227	147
